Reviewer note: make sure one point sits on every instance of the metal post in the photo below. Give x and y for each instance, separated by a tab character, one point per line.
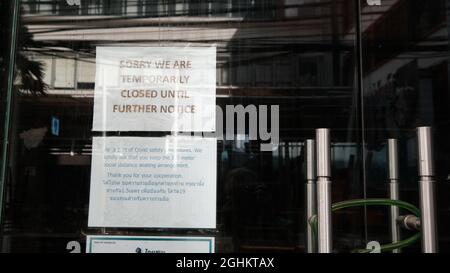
427	190
311	204
393	178
9	101
323	152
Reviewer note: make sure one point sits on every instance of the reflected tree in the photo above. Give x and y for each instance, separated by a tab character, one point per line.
29	76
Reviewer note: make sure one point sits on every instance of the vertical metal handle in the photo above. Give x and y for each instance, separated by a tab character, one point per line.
323	155
393	179
427	190
311	204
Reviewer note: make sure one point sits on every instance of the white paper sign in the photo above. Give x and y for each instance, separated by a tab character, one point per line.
149	244
155	89
166	182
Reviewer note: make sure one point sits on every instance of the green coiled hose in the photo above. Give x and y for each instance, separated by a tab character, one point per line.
375	202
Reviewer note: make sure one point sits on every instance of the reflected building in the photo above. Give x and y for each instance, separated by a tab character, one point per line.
302	55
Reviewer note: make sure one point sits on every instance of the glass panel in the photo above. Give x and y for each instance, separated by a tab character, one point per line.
406	58
297	55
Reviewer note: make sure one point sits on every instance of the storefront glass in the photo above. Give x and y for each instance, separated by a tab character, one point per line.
292	62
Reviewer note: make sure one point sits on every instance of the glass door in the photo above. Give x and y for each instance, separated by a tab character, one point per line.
405	75
280	70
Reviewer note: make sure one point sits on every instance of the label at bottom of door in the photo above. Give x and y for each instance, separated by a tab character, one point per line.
148	244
